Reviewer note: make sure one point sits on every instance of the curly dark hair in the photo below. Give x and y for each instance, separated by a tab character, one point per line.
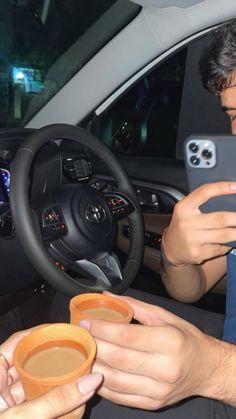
218	61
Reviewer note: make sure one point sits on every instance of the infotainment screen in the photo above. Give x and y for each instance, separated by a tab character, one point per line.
4	185
2	196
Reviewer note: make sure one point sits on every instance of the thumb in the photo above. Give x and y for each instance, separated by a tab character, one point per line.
58	401
148	314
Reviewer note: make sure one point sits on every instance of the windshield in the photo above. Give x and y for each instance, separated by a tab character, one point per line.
44	43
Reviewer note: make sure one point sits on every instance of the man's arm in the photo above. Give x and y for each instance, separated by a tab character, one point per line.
194	244
189	283
221	385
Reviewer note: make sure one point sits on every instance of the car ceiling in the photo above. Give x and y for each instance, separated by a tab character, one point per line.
147	37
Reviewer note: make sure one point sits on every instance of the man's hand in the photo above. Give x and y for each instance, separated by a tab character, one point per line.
193	236
157	363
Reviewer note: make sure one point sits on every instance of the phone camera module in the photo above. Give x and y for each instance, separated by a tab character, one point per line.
195	160
206	154
193	147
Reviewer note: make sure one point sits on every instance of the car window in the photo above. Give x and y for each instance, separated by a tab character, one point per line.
154	117
45	42
145	120
201	111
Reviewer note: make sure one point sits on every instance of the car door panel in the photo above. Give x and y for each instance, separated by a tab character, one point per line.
154	226
160	180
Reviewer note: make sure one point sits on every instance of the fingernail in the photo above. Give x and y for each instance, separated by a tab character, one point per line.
85	324
89	383
233	186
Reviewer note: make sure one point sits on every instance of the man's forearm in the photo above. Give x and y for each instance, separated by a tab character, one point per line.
186	284
221	384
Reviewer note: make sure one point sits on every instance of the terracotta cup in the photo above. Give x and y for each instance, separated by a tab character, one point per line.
55	334
100	306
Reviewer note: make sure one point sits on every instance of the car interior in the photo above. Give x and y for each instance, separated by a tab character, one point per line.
96	101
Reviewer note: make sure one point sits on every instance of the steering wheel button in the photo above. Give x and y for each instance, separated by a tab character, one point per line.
60	227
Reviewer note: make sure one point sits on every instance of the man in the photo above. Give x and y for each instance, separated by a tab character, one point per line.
161	366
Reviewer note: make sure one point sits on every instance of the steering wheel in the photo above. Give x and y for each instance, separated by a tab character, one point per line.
77	224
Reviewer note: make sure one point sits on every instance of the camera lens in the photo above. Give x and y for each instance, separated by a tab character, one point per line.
195	160
193	147
206	154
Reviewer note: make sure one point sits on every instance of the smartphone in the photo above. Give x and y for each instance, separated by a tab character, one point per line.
212	158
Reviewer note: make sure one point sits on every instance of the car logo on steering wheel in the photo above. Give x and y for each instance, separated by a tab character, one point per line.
95	214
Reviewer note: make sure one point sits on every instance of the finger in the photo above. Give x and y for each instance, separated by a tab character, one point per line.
3	404
126	383
210	190
59	401
149	314
212	221
144	312
4	378
7	348
17	392
220	236
4	387
143	338
123	359
215	220
8	398
12	376
211	251
130	400
161	367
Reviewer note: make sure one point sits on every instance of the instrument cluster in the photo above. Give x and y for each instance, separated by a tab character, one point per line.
4	185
